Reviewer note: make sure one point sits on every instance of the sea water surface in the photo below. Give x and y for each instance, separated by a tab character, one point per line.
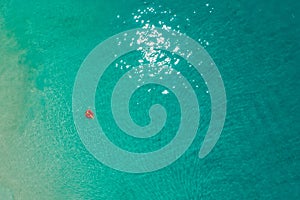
255	45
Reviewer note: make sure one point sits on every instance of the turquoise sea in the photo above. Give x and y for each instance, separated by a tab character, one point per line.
256	46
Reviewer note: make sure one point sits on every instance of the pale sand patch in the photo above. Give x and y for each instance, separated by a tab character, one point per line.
23	172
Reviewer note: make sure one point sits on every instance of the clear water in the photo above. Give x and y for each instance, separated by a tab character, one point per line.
255	45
